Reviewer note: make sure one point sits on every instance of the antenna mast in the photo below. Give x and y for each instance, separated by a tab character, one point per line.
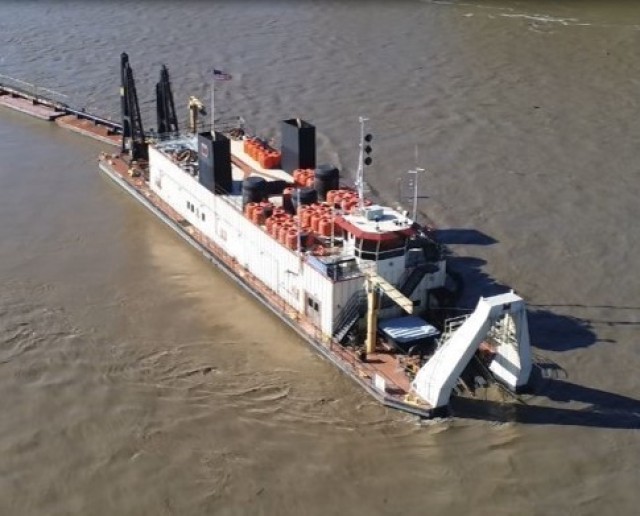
416	172
364	158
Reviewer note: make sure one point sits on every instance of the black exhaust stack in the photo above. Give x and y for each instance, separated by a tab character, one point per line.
165	108
214	162
133	139
298	145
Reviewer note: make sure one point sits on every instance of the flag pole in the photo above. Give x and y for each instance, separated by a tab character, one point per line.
213	106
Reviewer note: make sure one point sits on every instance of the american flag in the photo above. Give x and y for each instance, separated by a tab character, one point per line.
219	75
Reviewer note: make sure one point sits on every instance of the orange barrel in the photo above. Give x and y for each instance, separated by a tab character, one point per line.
268	159
324	226
282	234
279	219
253	146
274	159
315	221
330	195
337	199
275	229
258	215
306	217
261	157
248	209
292	239
269	224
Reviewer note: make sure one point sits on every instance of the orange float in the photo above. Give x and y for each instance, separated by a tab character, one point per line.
282	234
269	224
306	217
292	239
315	221
324	226
275	229
249	208
258	216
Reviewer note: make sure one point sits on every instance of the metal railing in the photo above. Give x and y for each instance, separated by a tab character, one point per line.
39	93
348	315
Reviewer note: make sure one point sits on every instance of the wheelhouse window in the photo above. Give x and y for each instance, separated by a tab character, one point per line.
368	249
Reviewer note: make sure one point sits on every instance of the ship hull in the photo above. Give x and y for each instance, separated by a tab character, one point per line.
251	285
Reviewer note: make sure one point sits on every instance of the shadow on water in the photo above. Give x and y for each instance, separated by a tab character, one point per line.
464	236
599	409
549	331
552	332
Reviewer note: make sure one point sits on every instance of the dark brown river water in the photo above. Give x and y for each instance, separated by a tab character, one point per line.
136	379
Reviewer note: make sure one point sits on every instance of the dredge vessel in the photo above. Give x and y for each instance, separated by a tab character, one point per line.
359	281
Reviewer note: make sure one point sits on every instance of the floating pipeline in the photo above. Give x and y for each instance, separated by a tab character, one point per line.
65	116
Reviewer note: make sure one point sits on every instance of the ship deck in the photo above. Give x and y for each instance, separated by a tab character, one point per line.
28	107
381	375
89	128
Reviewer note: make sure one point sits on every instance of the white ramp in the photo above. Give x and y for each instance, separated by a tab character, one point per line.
503	320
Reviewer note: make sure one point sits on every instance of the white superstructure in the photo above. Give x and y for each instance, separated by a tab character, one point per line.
318	287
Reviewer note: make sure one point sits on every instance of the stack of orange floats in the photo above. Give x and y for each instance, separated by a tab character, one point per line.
267	156
258	212
345	199
319	219
304	177
283	227
315	219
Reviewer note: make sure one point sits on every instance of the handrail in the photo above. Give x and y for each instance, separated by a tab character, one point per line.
352	308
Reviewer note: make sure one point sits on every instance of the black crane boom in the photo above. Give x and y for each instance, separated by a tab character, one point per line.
165	108
133	138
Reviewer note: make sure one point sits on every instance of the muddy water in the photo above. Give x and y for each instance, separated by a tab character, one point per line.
136	379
